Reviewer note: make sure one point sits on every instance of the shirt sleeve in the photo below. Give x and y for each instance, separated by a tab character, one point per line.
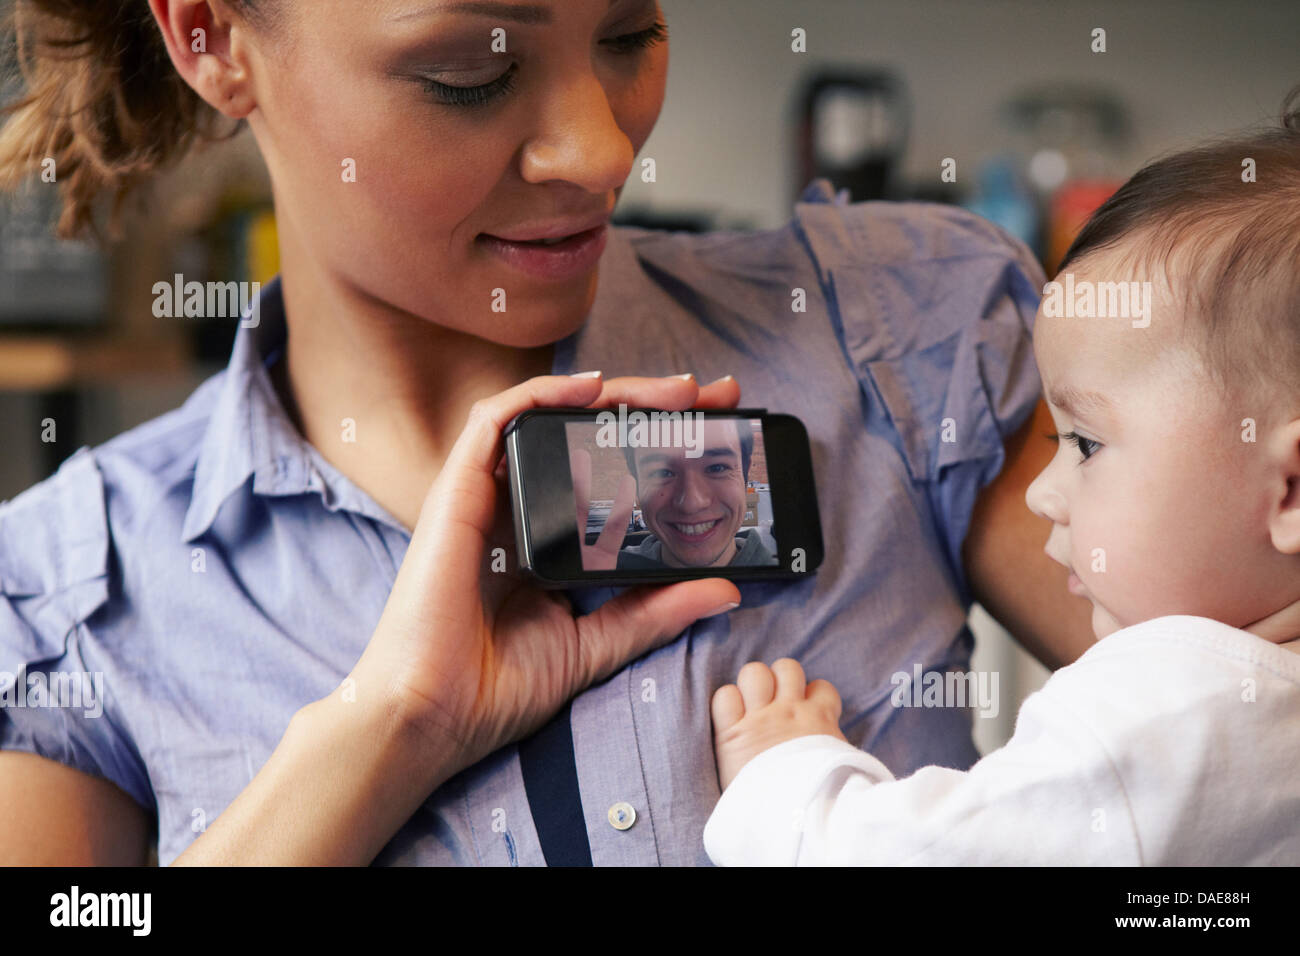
54	702
1049	797
934	307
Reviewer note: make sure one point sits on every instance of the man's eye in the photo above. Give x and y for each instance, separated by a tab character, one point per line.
1087	446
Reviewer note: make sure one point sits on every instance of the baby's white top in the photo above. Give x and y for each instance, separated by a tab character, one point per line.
1172	742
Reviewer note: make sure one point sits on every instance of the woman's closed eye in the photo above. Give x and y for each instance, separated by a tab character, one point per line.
484	93
1087	446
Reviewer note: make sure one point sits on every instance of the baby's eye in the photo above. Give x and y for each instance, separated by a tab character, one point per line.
1087	446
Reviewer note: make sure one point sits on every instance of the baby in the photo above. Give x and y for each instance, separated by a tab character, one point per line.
1175	502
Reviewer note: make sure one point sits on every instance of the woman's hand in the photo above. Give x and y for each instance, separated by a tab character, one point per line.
477	659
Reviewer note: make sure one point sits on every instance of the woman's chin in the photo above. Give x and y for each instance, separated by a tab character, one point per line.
536	323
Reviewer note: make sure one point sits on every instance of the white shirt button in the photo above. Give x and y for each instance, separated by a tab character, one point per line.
622	816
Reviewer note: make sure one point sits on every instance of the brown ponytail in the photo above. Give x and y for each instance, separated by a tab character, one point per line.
102	100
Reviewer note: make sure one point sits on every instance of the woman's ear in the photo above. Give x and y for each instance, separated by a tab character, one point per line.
209	48
1284	515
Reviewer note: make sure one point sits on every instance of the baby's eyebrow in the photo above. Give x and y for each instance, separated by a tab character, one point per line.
1076	401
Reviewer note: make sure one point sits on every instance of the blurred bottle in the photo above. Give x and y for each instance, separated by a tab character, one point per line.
1002	197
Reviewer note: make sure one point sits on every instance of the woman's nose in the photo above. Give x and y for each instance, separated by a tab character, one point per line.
1044	500
578	139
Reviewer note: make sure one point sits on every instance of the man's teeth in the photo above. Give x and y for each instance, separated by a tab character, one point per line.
696	528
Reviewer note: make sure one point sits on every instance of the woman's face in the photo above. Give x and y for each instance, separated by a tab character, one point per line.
454	140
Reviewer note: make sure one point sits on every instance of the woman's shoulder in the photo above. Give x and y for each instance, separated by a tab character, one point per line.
832	230
75	551
56	536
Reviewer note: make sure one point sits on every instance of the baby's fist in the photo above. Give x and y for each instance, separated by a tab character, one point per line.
768	706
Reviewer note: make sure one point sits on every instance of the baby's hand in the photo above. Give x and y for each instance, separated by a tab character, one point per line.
767	706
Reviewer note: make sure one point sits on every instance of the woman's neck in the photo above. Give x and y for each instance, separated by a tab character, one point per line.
383	395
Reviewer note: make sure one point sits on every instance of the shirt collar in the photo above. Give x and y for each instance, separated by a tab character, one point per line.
249	433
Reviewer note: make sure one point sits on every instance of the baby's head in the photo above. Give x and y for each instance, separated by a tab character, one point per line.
1176	487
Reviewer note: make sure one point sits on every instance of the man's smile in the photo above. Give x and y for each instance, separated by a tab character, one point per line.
695	531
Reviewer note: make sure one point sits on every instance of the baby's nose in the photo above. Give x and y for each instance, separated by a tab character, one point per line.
1045	501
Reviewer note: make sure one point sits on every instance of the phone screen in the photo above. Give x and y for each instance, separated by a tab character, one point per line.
664	490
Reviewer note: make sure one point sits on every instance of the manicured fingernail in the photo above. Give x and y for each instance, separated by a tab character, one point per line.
685	376
595	374
723	609
725	378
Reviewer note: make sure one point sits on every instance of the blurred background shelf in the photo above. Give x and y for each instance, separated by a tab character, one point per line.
57	362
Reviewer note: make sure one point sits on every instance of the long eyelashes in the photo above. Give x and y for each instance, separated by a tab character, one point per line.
471	96
1087	446
642	39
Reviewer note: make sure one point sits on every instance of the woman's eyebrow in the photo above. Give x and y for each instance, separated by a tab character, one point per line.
530	13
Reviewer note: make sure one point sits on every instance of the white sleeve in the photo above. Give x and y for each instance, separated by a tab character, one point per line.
1049	797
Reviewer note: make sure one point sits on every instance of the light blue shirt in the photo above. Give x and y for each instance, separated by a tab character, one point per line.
220	574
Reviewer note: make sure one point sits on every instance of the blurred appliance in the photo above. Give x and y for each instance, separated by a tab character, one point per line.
853	129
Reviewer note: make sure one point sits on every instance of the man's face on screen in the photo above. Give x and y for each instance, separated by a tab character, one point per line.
695	505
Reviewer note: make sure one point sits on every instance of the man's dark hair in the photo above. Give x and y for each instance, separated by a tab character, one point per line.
744	431
1237	244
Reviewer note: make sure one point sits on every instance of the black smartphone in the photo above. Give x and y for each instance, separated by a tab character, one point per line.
637	496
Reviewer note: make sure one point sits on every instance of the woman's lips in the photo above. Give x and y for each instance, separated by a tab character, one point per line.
568	259
1075	585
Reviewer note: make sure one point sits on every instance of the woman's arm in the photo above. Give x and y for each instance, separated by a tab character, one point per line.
342	781
1009	572
57	816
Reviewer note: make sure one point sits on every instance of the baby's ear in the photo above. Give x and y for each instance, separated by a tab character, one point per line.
1284	516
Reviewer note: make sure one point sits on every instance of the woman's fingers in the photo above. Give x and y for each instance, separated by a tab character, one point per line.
724	393
458	512
641	619
670	394
476	450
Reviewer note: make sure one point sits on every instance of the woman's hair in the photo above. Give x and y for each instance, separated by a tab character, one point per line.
102	100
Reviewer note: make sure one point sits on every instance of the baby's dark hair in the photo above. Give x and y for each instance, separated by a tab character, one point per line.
1236	239
743	430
